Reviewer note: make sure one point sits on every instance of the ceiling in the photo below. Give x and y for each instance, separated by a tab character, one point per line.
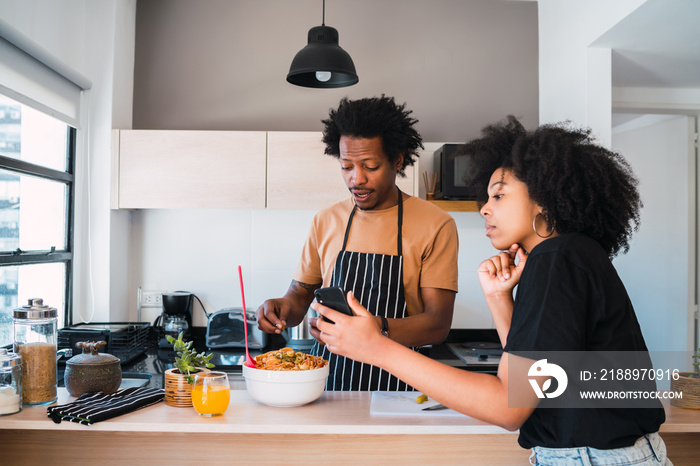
657	45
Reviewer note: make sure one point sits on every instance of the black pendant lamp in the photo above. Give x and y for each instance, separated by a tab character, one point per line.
322	63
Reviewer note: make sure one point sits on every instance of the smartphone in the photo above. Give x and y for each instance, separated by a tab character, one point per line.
333	297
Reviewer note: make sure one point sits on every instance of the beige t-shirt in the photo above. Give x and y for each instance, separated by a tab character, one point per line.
430	244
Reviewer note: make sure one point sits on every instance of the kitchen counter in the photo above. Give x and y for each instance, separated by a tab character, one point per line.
335	429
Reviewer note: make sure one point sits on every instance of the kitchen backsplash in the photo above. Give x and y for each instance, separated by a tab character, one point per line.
199	251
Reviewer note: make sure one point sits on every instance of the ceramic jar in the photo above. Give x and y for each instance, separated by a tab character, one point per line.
92	371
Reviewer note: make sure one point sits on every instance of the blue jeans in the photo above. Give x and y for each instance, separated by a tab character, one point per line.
647	450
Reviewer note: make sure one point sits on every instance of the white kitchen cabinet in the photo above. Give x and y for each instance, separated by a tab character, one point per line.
301	176
162	169
174	169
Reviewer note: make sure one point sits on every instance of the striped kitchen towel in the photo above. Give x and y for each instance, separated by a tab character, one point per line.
94	407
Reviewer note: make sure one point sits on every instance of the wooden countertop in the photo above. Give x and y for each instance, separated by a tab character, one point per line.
336	429
680	420
333	413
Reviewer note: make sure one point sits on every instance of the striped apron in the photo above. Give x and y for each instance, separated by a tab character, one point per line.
376	280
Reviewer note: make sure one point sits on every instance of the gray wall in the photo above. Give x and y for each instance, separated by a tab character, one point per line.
222	64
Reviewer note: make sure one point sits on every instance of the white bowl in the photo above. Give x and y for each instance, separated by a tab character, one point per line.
285	388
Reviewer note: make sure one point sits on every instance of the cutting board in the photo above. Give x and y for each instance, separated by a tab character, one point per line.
404	404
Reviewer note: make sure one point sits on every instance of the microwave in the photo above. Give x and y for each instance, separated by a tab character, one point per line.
453	168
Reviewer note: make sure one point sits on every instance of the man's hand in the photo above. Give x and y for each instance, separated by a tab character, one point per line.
274	315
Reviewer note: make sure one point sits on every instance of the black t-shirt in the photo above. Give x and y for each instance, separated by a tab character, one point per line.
570	298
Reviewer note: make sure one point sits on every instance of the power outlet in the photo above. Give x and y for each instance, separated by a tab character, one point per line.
151	299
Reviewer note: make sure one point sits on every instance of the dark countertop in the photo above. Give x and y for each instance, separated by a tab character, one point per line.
155	361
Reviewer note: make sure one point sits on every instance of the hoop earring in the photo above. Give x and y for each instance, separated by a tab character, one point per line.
534	220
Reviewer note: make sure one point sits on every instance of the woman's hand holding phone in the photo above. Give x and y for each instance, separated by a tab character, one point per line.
355	338
334	298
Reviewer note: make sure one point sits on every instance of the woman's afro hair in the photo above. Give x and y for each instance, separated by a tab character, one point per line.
581	186
372	117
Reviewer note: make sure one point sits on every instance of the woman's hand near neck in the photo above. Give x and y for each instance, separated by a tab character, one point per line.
498	275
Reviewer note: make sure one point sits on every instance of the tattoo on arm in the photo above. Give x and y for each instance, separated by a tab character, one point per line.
297	286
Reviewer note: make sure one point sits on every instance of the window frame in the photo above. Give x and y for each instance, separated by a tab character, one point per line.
19	257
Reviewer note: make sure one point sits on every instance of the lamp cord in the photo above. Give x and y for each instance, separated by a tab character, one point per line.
323	18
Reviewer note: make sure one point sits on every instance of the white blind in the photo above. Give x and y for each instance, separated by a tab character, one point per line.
34	77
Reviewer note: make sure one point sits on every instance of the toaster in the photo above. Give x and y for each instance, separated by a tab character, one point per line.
225	330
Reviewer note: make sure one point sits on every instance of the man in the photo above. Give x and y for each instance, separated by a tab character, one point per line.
396	253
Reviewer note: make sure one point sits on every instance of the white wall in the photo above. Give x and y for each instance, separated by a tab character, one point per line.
567	65
200	251
575	84
656	269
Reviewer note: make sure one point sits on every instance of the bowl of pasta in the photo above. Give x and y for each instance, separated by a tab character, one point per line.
286	378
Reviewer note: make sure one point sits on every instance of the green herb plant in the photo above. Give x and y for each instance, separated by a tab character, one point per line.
187	359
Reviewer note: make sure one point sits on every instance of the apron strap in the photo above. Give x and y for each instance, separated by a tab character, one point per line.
399	243
347	228
399	248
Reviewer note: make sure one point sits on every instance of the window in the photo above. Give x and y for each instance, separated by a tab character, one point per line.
40	119
37	154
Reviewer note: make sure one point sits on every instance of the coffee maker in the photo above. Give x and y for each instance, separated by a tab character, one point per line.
177	315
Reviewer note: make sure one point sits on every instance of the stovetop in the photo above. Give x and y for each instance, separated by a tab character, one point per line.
474	354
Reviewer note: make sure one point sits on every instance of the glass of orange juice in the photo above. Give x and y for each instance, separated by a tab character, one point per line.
210	393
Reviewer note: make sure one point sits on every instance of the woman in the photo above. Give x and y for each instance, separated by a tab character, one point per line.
559	207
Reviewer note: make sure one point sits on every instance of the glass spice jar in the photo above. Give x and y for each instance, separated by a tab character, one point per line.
35	337
10	383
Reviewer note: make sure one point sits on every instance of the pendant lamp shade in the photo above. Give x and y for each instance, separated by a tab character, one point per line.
322	63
